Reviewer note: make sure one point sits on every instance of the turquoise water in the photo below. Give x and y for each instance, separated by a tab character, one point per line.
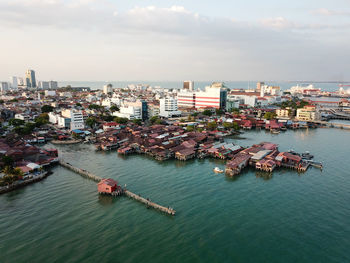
255	217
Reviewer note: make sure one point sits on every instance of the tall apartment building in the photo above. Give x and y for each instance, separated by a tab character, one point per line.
188	85
213	96
47	84
14	82
107	88
168	107
4	86
30	78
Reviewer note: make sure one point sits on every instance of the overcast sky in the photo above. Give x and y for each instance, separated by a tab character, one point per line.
176	40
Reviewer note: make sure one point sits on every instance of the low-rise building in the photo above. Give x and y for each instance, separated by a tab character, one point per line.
308	113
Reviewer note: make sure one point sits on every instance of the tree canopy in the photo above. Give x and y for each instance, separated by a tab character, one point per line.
46	108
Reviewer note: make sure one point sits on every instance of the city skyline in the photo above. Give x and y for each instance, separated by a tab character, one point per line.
175	40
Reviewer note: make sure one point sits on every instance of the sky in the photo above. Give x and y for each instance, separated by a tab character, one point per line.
118	40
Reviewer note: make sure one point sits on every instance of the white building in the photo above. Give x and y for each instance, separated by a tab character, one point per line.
43	85
14	82
53	84
213	96
63	122
76	118
308	113
4	86
168	107
53	117
130	110
22	116
47	84
50	93
107	89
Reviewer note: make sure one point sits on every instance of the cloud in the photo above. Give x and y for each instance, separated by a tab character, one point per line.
278	23
162	38
328	12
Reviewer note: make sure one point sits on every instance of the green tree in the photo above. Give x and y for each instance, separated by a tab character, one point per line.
91	122
212	125
190	128
154	119
227	125
219	112
78	104
7	160
42	119
121	120
47	108
16	122
207	112
235	126
114	108
269	115
137	121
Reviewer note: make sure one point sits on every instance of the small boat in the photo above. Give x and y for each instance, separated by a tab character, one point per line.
274	131
218	170
283	128
306	155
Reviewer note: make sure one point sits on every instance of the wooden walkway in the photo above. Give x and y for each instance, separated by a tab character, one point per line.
136	197
82	172
149	203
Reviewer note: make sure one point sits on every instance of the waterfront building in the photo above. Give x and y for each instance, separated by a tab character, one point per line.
284	113
107	186
168	107
30	78
308	113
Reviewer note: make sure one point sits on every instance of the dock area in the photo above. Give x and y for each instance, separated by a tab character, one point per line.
118	192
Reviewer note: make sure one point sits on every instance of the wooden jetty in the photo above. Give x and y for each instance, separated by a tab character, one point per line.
149	203
82	172
136	197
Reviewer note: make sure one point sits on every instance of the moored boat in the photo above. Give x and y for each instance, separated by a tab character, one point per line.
218	170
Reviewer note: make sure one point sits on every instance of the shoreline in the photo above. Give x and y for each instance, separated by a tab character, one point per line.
20	184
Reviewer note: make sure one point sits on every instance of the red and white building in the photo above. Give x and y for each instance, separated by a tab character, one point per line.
213	96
